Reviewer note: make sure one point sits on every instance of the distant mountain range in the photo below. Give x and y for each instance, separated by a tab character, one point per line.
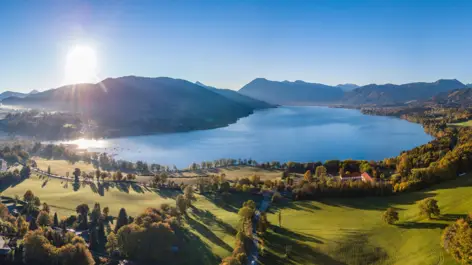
238	97
8	94
291	93
303	93
347	87
138	105
397	94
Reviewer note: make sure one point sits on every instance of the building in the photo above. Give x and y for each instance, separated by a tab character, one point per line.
3	165
355	176
366	177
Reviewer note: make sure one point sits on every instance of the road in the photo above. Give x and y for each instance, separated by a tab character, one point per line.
253	257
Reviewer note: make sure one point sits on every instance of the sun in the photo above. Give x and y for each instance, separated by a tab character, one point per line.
81	65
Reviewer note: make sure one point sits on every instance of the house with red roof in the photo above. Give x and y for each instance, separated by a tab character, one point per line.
355	176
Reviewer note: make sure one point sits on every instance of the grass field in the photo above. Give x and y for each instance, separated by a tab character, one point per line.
465	123
350	231
331	231
212	221
60	167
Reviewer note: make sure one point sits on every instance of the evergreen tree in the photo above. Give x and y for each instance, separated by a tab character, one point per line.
56	221
122	219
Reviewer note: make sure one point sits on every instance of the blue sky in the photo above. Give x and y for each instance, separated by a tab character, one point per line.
228	43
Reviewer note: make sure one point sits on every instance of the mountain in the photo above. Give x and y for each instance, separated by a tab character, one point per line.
468	85
34	91
237	97
138	105
455	98
291	93
347	87
398	94
8	94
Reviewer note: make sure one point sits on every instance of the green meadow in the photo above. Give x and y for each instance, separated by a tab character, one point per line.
329	231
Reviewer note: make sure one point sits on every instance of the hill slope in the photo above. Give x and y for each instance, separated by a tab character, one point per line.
455	98
394	94
237	97
289	93
138	105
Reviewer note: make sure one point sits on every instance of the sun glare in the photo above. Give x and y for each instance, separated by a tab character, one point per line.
81	65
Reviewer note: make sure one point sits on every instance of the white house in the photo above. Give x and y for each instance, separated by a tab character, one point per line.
3	165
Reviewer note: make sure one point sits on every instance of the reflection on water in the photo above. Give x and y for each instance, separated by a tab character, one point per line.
283	134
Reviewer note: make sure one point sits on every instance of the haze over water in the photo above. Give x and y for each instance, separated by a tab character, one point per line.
283	134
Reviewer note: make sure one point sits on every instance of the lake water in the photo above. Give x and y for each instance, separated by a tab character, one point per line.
284	134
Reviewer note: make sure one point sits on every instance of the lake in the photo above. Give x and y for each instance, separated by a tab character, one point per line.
283	134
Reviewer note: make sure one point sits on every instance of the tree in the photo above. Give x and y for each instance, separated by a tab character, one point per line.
457	241
76	174
49	170
149	240
106	212
97	174
390	216
245	217
28	196
21	226
321	172
308	176
95	214
3	211
428	207
45	207
112	243
181	204
82	210
262	223
189	195
122	219
43	219
25	172
56	221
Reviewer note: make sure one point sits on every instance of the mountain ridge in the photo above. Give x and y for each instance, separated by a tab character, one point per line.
134	105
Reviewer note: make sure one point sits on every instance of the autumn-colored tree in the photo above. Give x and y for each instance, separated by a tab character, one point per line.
21	226
181	204
112	243
43	219
45	207
457	241
3	211
321	171
308	176
390	216
189	195
428	207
